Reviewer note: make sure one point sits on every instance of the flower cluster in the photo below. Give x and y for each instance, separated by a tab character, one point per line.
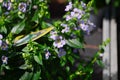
9	6
3	46
78	14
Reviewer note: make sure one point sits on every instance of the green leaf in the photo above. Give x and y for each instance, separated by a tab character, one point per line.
18	28
36	76
3	29
26	76
32	36
71	59
107	1
35	17
100	63
74	43
24	66
38	59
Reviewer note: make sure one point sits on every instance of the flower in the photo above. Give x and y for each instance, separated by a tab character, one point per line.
59	42
65	30
4	46
7	5
84	26
68	7
83	4
4	59
53	35
101	55
68	17
1	40
0	43
87	26
22	7
35	7
47	54
77	13
61	53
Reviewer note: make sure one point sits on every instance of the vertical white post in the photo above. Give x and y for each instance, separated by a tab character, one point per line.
106	56
113	49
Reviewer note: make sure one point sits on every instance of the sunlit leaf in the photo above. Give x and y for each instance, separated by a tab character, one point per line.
18	28
32	36
74	43
26	76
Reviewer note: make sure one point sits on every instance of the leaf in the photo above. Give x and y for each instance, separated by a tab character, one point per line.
18	37
38	59
71	59
18	28
26	76
74	43
107	1
100	63
24	66
36	76
32	36
3	29
35	18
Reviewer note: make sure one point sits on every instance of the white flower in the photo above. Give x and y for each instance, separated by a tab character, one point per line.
101	55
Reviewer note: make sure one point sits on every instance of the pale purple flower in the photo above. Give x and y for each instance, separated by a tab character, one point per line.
4	59
87	26
64	25
83	4
68	17
22	7
84	27
53	35
68	7
6	13
59	42
65	30
47	55
77	13
61	53
4	46
7	5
